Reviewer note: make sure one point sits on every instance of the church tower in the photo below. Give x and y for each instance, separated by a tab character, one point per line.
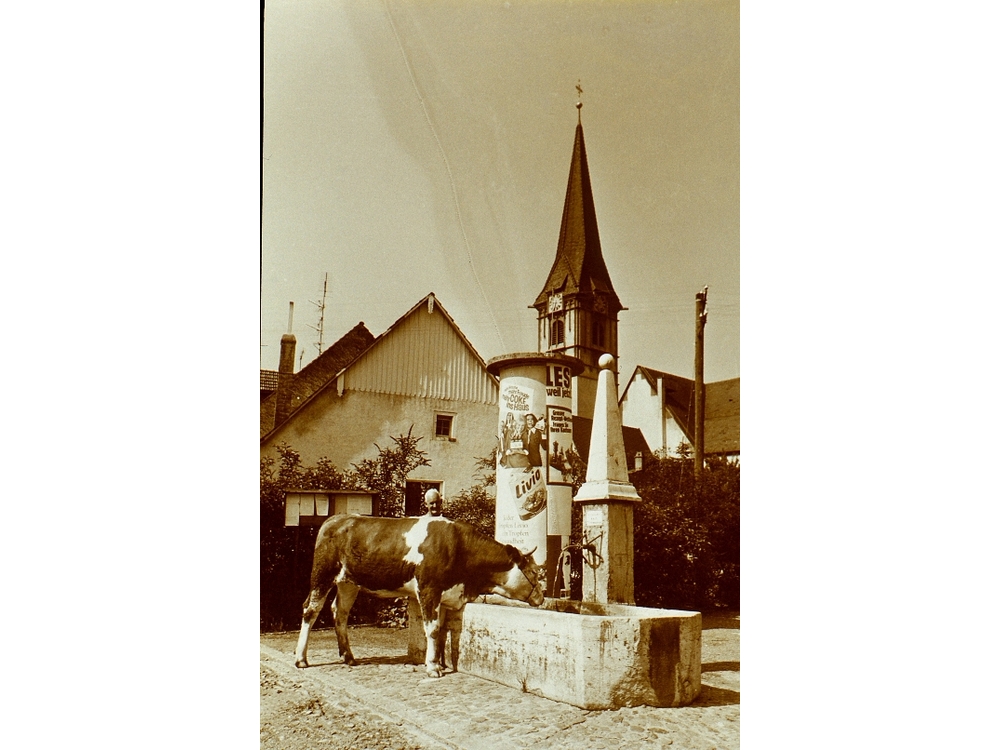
578	307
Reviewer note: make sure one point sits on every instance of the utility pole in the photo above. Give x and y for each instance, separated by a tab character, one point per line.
322	312
700	318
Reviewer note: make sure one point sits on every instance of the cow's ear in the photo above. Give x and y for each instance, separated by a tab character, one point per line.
513	552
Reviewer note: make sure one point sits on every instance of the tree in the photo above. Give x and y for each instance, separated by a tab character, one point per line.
476	506
687	534
386	474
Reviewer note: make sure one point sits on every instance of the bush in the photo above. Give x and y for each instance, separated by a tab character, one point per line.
476	506
687	535
386	474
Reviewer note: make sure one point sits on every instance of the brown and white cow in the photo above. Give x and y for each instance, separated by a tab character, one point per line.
439	562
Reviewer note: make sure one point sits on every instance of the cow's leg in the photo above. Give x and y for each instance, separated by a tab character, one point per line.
442	638
433	614
310	611
347	592
455	633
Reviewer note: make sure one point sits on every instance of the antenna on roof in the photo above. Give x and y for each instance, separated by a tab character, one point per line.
322	312
579	99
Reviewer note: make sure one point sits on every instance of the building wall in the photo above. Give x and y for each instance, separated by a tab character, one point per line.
641	408
423	356
673	434
345	428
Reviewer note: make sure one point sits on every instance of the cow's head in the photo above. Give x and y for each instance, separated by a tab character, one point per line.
524	579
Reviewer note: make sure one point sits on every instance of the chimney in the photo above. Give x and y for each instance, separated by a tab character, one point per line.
286	374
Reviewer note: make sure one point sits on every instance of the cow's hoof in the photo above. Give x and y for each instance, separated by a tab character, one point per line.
301	663
434	673
349	660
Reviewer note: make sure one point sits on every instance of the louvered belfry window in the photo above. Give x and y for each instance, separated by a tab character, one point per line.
557	332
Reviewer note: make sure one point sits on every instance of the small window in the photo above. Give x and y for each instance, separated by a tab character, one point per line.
442	425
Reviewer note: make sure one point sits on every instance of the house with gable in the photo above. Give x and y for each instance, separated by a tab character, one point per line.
421	372
661	405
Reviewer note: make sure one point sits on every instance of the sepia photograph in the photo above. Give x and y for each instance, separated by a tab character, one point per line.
505	264
500	374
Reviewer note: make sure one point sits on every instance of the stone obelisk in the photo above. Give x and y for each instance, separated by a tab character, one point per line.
607	498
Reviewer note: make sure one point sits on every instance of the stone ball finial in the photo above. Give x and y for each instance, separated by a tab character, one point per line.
606	361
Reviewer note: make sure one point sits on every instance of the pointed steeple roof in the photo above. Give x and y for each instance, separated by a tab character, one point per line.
579	265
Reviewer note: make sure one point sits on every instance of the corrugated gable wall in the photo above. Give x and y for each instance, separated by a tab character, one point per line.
423	356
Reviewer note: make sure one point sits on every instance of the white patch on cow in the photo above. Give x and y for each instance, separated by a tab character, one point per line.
300	647
454	598
414	538
517	585
516	580
431	626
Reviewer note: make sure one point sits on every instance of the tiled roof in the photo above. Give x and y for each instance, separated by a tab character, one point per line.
722	416
722	408
317	373
269	380
339	355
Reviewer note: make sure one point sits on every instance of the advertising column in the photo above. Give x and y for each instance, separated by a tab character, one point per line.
528	515
559	421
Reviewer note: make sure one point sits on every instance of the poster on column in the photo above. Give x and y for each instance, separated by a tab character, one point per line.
559	424
559	399
522	497
560	429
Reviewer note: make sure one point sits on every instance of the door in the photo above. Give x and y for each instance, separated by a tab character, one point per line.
414	497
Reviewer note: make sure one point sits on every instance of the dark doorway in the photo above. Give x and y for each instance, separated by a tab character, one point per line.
414	498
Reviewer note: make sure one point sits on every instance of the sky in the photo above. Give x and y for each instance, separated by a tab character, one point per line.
424	147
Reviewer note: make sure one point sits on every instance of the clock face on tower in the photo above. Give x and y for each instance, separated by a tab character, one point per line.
600	304
555	303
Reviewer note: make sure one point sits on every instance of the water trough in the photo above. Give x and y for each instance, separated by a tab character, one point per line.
587	654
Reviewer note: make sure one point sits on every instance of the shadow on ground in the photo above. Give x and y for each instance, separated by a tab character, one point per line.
721	666
713	696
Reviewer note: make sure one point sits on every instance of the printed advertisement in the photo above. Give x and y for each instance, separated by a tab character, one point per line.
560	440
559	419
559	400
522	495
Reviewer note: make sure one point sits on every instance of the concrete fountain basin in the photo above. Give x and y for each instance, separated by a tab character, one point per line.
591	655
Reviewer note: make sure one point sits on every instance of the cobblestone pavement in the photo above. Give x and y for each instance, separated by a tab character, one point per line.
466	712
